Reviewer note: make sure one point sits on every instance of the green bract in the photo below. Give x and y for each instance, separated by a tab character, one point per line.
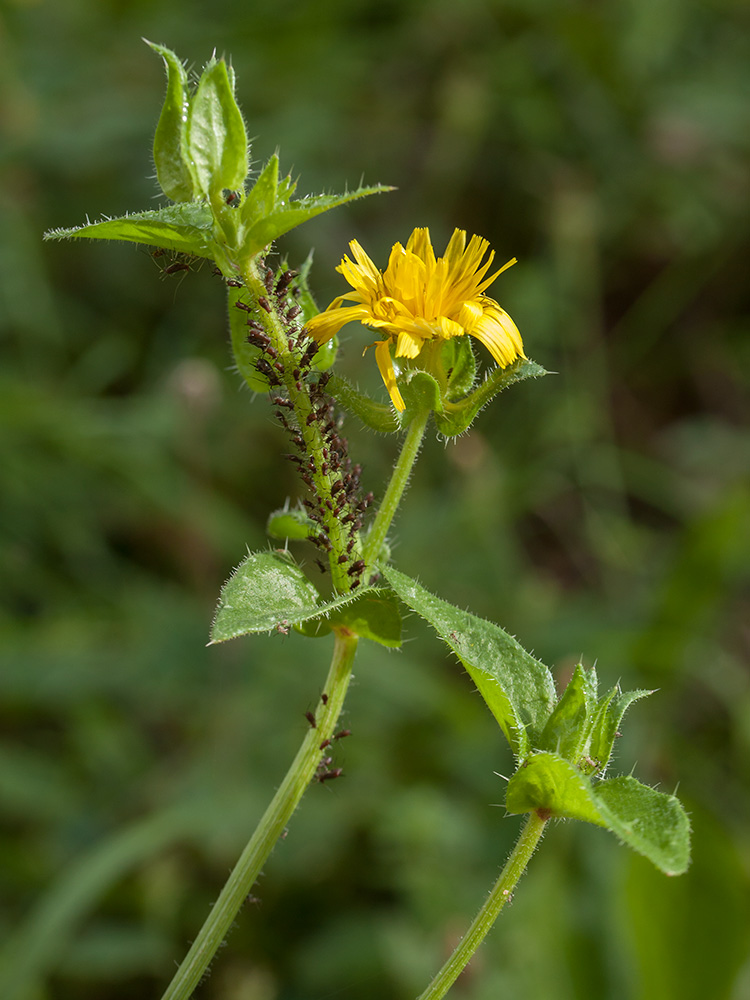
448	394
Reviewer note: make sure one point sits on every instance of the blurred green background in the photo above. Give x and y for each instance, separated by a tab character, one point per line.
603	511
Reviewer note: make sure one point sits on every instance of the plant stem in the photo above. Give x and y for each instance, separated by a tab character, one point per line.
399	480
498	897
271	826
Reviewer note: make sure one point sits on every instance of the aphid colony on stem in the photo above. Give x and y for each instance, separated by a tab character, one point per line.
306	412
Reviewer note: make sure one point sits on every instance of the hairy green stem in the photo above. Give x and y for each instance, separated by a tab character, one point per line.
271	826
501	894
396	487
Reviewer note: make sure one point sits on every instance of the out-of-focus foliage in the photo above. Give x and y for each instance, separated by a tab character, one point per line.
605	512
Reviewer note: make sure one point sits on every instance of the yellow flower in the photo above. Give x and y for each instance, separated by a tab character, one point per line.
420	297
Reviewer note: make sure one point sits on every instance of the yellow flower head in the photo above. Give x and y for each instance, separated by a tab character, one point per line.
419	297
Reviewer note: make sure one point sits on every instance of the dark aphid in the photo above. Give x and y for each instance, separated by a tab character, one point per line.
356	567
265	369
324	744
233	283
354	585
310	351
341	559
264	303
231	198
319	563
293	312
280	401
177	266
342	733
324	698
311	719
239	304
329	775
285	279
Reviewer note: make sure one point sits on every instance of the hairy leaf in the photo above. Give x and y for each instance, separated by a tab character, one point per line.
173	168
288	215
182	228
372	615
268	591
518	689
216	137
650	822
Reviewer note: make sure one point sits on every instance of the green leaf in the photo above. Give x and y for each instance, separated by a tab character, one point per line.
566	730
182	228
371	615
292	524
548	782
216	137
287	215
372	414
653	824
607	722
261	198
458	417
170	142
268	591
518	689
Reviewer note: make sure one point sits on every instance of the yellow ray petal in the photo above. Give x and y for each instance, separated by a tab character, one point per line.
500	335
327	324
408	345
385	364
